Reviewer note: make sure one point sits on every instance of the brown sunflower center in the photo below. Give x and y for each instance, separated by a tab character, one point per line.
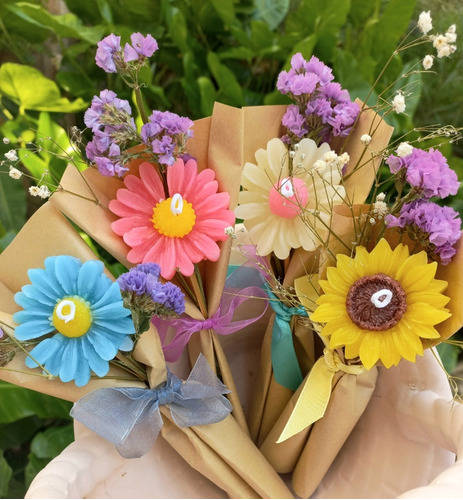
376	302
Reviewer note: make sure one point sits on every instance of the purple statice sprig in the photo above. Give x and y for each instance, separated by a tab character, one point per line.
322	109
146	296
427	172
165	135
437	229
113	59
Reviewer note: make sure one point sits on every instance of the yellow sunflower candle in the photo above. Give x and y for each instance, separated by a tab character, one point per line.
381	305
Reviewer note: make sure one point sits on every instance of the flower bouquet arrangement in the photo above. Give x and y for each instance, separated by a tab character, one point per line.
277	214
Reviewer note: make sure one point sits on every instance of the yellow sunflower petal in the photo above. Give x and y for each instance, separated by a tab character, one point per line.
346	266
426	314
344	337
327	312
338	280
330	298
415	274
369	351
362	262
336	324
436	299
352	351
407	342
389	355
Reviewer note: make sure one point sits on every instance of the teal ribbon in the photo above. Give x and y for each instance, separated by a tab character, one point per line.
284	360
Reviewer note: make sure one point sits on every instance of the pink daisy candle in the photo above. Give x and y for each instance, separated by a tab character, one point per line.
176	232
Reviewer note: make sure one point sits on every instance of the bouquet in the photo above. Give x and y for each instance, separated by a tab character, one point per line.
277	214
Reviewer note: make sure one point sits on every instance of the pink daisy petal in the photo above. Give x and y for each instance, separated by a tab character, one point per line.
207	246
152	181
138	235
138	253
133	200
124	225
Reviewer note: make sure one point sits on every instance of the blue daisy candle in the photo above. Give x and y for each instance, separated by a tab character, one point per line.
81	312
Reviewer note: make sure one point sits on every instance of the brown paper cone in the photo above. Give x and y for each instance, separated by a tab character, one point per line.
348	401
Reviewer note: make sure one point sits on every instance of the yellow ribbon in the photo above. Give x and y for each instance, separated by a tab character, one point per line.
313	400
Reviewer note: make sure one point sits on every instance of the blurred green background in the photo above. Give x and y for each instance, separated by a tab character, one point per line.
210	50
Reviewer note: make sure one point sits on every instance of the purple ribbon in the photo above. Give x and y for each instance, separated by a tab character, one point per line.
221	322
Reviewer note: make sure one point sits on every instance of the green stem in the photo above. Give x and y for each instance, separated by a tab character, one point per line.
140	105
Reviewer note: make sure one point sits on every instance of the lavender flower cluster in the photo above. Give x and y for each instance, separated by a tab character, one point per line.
111	122
141	288
111	57
110	118
166	133
434	226
323	110
427	172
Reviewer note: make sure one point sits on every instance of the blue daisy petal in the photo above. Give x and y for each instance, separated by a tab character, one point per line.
44	283
112	294
97	364
83	375
30	294
106	346
67	272
30	315
32	329
70	361
88	280
54	361
122	325
127	345
47	349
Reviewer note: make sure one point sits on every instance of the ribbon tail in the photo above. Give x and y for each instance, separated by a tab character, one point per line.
312	402
284	360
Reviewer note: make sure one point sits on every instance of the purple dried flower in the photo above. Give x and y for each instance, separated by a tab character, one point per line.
165	149
427	171
294	121
150	268
141	47
324	72
108	53
436	228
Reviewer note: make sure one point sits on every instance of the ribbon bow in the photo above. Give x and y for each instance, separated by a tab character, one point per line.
313	400
221	322
130	417
284	360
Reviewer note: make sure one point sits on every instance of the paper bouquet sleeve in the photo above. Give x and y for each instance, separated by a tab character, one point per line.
271	397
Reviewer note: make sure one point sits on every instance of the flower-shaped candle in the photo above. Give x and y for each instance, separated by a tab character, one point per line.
380	305
85	309
282	205
176	232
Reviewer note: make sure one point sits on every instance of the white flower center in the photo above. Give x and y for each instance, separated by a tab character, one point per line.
72	310
176	205
381	298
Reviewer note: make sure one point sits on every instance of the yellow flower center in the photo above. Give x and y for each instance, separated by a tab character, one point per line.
174	217
72	317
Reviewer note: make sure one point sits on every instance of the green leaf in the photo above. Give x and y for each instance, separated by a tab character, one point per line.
67	25
18	432
226	80
272	11
5	475
18	402
6	239
305	47
33	467
207	93
52	442
12	204
226	10
449	355
360	11
178	31
262	38
28	88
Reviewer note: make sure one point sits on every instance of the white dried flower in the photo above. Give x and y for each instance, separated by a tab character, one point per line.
452	28
292	154
451	37
319	166
425	22
372	221
6	140
230	231
380	209
330	156
398	103
343	159
404	149
445	50
14	173
34	191
428	62
44	192
365	139
439	41
11	155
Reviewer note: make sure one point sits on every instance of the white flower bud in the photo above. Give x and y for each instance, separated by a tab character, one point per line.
14	173
398	103
428	62
365	139
11	155
425	22
404	149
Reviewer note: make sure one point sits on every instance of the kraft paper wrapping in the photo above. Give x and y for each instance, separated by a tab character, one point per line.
240	467
271	398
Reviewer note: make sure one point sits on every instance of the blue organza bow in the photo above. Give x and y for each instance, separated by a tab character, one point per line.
130	418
